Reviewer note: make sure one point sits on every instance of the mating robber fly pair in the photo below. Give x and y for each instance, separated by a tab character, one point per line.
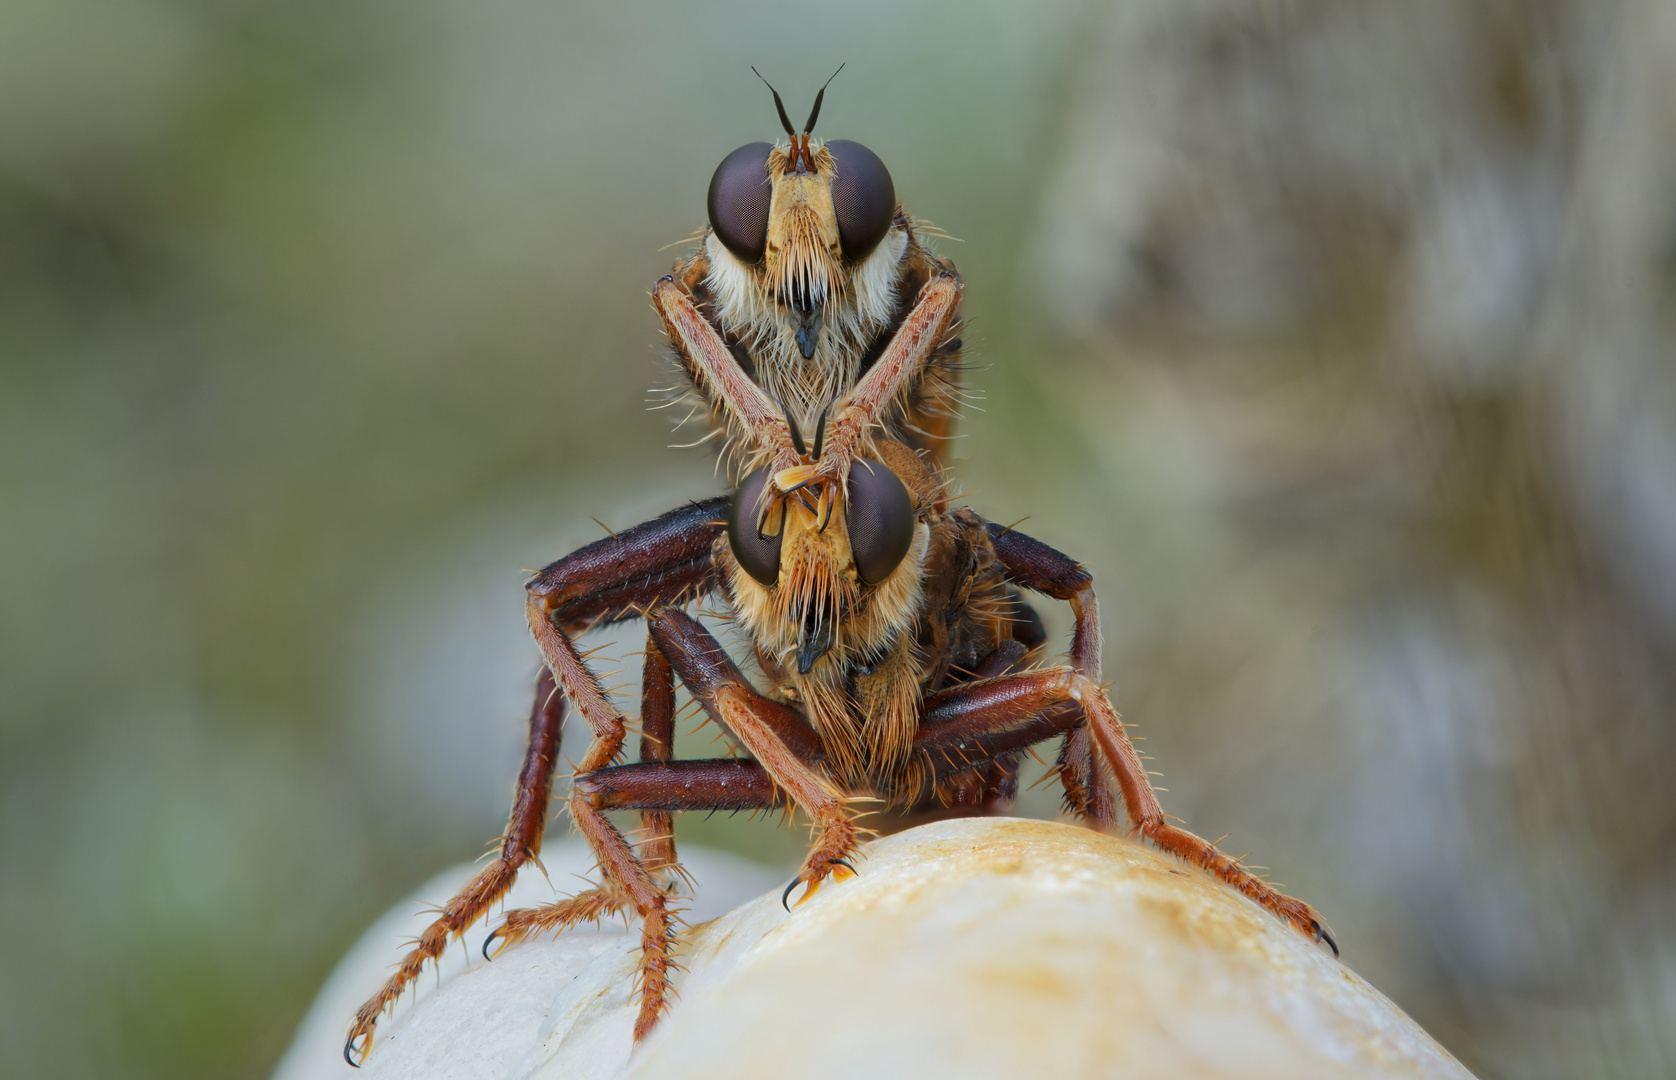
901	662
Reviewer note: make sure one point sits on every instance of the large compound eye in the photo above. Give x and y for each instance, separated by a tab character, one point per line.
863	196
881	520
759	555
738	201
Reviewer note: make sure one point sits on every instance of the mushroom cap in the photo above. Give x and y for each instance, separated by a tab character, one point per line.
976	947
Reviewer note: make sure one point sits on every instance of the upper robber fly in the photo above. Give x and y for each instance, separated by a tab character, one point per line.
808	272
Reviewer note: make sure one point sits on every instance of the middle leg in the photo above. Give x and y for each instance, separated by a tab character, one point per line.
987	786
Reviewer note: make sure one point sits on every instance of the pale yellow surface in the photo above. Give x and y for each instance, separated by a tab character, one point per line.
976	948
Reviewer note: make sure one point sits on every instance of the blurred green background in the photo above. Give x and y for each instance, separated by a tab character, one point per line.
1336	337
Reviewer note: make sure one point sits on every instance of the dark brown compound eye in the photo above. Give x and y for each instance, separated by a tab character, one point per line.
758	554
880	515
863	196
738	201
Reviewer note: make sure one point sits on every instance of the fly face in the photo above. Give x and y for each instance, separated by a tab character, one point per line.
823	582
804	249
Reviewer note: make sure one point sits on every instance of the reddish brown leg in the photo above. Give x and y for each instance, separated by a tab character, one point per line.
521	844
666	560
710	784
778	738
626	883
1036	566
1033	564
775	735
719	377
964	726
986	787
627	878
897	369
1144	810
657	743
964	729
859	413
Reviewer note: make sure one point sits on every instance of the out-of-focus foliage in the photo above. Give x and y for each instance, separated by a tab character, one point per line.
1335	336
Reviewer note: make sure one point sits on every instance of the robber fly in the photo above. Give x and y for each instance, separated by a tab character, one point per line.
900	660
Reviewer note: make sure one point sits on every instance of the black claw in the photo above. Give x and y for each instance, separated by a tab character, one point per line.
1322	935
820	429
845	864
785	896
796	436
349	1053
488	941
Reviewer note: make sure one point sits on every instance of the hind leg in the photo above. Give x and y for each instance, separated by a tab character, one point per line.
970	725
627	878
665	560
520	845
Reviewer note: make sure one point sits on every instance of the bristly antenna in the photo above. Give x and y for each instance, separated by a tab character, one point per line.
785	121
816	111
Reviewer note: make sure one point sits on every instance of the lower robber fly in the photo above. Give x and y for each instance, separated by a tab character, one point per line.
898	656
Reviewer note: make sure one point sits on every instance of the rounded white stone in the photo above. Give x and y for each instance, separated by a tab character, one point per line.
976	948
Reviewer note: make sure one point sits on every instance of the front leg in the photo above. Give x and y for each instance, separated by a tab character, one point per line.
711	366
778	737
858	413
900	366
717	375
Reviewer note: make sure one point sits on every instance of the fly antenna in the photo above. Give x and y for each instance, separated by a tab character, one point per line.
816	111
785	121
